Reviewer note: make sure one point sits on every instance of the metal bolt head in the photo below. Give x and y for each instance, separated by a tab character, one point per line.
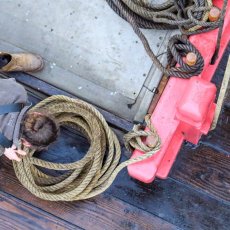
214	14
191	59
151	141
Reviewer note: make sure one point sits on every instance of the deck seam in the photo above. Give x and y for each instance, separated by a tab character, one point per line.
39	209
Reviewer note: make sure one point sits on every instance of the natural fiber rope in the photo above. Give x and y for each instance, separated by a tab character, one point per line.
189	16
96	171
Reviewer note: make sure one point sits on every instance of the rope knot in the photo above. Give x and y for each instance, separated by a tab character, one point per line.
144	140
178	48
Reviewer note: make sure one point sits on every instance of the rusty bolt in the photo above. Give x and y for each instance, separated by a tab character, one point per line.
214	14
151	141
191	59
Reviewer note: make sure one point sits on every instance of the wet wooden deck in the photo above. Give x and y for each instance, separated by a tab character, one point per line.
195	196
88	50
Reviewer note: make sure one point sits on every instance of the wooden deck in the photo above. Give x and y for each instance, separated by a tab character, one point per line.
195	196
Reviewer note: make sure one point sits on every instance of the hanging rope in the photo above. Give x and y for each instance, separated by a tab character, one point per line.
96	171
191	17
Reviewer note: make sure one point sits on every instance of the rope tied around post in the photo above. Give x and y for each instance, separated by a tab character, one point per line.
135	138
191	17
89	176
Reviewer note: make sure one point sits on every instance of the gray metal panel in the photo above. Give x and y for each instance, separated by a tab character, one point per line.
89	50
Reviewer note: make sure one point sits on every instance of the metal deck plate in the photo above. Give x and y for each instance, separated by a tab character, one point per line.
89	51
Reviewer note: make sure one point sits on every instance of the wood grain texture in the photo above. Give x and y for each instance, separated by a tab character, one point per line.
103	212
181	205
219	139
16	214
194	197
159	92
205	169
207	166
170	200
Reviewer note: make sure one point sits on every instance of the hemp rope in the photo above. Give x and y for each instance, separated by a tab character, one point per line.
96	171
189	16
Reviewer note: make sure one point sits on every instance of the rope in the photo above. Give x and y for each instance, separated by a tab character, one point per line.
96	171
222	16
189	16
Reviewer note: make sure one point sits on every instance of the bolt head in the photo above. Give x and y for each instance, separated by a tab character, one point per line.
191	59
214	14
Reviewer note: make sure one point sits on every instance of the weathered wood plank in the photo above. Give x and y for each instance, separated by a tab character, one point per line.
222	94
16	214
205	169
189	205
219	138
103	212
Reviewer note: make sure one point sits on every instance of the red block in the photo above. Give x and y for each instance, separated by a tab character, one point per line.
185	110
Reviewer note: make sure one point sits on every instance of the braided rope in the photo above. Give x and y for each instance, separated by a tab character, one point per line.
191	17
96	171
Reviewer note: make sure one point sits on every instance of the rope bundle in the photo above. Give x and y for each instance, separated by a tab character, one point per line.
191	17
91	175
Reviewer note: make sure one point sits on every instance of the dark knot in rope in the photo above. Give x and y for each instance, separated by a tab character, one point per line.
191	17
178	48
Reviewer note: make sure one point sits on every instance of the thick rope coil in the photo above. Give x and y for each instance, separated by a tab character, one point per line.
191	17
91	175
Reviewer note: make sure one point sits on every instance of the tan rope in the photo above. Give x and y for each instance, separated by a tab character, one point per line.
204	18
96	171
223	90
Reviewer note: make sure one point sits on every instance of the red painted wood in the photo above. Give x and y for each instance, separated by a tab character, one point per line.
174	131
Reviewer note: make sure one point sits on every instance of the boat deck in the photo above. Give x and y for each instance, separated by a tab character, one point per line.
88	50
195	196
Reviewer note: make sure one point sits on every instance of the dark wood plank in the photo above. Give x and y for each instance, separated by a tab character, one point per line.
159	92
103	212
182	202
173	201
16	214
170	200
204	168
185	204
219	138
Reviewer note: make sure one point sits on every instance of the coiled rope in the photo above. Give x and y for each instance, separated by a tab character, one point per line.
96	171
191	17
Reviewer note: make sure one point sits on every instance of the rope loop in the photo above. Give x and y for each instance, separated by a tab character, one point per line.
191	17
87	177
178	48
